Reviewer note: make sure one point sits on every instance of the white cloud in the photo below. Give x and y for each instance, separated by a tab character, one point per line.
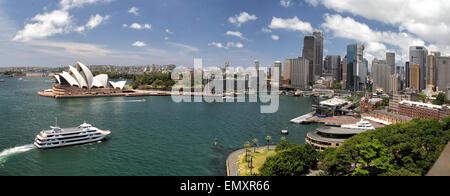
96	20
346	27
242	18
185	47
69	4
236	34
169	32
275	37
286	3
291	24
134	10
228	45
266	30
139	26
428	19
47	24
139	44
124	25
57	22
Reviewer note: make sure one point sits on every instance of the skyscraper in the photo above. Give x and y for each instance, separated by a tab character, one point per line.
390	60
299	72
318	61
407	75
394	83
352	65
309	52
443	73
277	64
381	75
344	72
414	76
418	56
333	67
431	68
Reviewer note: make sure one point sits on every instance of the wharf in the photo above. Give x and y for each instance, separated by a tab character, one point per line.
302	119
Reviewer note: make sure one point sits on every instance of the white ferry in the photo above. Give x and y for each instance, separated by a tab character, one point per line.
58	137
362	125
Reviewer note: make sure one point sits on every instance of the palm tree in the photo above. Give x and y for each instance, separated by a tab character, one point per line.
247	145
268	139
255	142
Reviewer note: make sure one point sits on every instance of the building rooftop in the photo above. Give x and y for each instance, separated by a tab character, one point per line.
340	131
420	104
334	102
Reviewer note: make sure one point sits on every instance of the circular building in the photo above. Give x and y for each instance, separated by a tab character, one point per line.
330	137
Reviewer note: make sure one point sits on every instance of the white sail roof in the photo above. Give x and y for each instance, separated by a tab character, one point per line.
58	79
119	85
79	77
100	81
72	81
86	73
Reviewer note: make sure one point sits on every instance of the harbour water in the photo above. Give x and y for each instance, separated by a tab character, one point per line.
156	137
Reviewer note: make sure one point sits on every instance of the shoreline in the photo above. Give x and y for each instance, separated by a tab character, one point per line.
231	162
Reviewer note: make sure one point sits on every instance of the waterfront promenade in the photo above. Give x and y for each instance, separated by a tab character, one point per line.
232	160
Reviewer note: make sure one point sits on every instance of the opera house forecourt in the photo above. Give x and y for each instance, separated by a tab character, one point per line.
80	82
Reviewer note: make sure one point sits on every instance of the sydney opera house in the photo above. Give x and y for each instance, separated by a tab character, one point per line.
79	81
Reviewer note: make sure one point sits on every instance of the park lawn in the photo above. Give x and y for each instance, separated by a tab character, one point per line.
259	157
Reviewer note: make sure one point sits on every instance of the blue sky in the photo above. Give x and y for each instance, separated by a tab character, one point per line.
61	32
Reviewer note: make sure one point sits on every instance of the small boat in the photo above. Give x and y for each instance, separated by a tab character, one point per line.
1	80
143	100
285	132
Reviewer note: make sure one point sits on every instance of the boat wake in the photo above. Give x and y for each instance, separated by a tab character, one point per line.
13	151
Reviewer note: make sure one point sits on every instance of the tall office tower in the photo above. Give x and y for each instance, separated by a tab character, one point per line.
300	73
394	83
333	67
362	74
390	59
256	64
309	52
381	75
352	67
443	73
277	64
414	76
318	61
407	75
287	70
418	56
344	73
431	68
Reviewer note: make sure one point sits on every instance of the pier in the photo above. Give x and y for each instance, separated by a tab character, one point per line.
303	118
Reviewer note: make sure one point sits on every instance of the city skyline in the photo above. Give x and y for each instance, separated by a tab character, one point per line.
50	33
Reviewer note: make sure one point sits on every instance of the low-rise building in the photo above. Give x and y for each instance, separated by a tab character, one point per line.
398	97
423	110
369	104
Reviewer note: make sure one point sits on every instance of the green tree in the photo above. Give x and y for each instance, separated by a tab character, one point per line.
440	99
296	161
247	145
255	143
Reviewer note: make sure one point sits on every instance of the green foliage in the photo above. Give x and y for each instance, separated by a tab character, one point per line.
153	80
402	149
295	161
385	102
440	99
336	86
285	146
422	97
9	73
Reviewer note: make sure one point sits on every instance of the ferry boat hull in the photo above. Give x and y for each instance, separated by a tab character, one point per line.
58	137
41	147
